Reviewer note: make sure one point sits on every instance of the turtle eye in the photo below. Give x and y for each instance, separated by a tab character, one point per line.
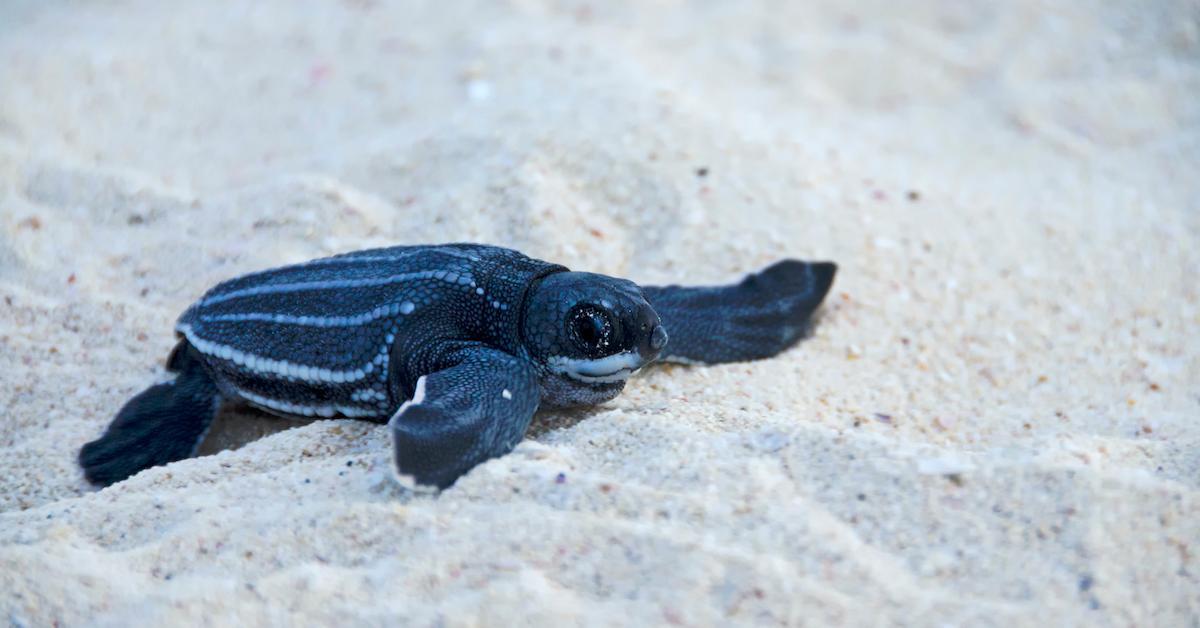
592	329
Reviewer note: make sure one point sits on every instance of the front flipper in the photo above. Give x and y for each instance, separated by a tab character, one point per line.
756	318
475	409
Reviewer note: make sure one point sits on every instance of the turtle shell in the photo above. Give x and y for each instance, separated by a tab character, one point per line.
318	339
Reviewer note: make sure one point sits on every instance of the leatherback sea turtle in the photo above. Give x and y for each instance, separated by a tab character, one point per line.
454	346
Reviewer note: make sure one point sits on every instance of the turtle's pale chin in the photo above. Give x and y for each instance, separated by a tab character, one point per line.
614	368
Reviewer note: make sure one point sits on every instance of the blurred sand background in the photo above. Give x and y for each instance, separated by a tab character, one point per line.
995	423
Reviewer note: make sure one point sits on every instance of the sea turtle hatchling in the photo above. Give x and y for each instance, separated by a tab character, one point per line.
454	346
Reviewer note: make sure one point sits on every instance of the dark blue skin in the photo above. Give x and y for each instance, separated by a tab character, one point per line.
455	346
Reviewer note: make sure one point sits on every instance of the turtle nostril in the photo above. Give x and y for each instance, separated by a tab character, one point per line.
658	338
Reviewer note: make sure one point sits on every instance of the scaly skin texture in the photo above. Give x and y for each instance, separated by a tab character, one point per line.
547	313
455	346
452	423
753	319
356	318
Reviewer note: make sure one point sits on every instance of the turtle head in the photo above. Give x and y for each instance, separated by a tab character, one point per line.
590	332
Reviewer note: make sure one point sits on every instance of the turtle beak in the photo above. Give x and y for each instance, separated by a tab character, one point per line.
654	335
658	339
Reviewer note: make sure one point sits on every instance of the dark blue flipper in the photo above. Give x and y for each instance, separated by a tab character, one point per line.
756	318
162	424
476	409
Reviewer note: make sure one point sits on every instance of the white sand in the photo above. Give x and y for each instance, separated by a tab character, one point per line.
996	422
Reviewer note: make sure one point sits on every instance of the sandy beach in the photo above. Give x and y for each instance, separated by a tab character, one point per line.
996	421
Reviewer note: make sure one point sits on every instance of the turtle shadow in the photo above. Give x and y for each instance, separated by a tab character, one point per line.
238	425
554	419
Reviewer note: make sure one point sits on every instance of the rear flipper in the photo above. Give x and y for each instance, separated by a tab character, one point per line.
162	424
757	318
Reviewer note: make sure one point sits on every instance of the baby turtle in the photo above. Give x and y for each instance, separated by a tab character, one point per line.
454	346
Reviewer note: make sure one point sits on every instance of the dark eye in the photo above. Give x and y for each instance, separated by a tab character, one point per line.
592	329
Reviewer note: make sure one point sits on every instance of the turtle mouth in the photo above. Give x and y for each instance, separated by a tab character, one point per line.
608	378
614	368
